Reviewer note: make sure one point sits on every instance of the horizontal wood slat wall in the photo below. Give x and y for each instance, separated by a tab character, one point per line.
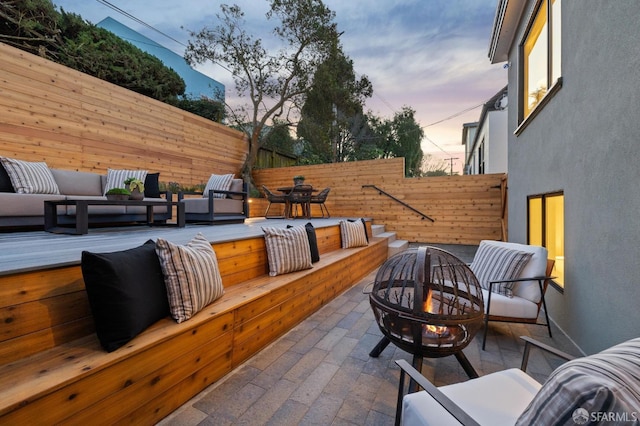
73	121
466	209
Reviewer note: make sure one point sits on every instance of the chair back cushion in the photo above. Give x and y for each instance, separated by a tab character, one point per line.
494	263
586	389
535	267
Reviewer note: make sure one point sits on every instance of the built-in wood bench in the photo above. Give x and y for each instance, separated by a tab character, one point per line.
55	372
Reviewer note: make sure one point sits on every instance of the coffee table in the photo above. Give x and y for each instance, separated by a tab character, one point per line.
82	213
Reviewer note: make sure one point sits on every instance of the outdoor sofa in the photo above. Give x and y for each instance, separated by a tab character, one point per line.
27	209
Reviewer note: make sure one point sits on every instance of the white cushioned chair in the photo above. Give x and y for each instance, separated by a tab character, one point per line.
526	280
607	383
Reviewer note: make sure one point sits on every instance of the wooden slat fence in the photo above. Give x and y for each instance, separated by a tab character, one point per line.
466	209
73	121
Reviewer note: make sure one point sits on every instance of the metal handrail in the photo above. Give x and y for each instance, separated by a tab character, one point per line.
383	192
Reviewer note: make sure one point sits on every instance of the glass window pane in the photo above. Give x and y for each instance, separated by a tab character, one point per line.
536	61
554	218
535	221
556	41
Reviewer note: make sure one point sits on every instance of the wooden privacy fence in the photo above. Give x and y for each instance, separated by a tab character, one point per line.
49	112
465	209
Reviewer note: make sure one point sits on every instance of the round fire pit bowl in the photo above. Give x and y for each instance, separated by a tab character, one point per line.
428	303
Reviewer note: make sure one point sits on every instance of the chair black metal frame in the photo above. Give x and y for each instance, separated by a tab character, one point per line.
273	199
320	199
300	194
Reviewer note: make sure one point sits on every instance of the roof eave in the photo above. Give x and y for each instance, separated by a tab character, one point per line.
505	24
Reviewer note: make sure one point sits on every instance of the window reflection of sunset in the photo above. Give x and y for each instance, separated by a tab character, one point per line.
535	60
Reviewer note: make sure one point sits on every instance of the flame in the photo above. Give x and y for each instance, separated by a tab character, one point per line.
438	330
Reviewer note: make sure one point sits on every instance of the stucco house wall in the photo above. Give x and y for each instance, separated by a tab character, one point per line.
586	142
496	151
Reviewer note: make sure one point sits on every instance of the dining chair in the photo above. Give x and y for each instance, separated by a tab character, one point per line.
320	199
300	195
273	199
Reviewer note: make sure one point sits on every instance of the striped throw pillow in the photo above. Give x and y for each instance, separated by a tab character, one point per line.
492	263
604	384
30	177
287	249
116	178
218	183
191	275
353	234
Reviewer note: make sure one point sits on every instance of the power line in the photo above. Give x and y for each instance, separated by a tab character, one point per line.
151	27
454	115
139	21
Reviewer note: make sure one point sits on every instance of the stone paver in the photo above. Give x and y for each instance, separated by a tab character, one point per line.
320	373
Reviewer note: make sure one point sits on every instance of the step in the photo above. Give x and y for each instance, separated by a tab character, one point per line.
397	246
390	235
377	229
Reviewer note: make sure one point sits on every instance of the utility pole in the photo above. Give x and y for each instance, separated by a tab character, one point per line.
451	162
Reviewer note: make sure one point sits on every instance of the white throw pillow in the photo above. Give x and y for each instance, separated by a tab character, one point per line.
116	178
218	183
30	177
287	249
191	275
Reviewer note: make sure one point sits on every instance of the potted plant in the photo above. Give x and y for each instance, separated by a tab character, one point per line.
298	180
118	194
136	186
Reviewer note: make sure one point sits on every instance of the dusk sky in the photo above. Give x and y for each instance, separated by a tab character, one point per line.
429	55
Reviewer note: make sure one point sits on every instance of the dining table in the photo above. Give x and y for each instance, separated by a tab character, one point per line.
297	194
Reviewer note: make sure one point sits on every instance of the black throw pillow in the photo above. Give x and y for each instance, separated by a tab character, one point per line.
126	292
5	181
152	185
313	241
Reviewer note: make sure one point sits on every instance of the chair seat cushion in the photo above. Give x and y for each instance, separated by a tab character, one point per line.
516	307
495	399
220	205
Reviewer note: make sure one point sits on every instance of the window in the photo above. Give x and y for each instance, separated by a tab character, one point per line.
481	158
541	61
546	228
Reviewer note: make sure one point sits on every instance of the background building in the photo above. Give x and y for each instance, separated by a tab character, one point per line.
198	84
486	140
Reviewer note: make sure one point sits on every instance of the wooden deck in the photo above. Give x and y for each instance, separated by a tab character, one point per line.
34	250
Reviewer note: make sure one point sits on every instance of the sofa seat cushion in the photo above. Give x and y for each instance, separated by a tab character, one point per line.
516	307
494	399
71	210
78	183
220	205
14	204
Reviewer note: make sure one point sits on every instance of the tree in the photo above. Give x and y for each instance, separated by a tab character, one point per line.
400	137
37	27
408	135
275	83
331	120
432	166
30	26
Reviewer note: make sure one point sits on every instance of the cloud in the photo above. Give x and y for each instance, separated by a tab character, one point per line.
429	55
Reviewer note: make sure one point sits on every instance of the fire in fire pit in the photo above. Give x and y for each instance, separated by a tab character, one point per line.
428	303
